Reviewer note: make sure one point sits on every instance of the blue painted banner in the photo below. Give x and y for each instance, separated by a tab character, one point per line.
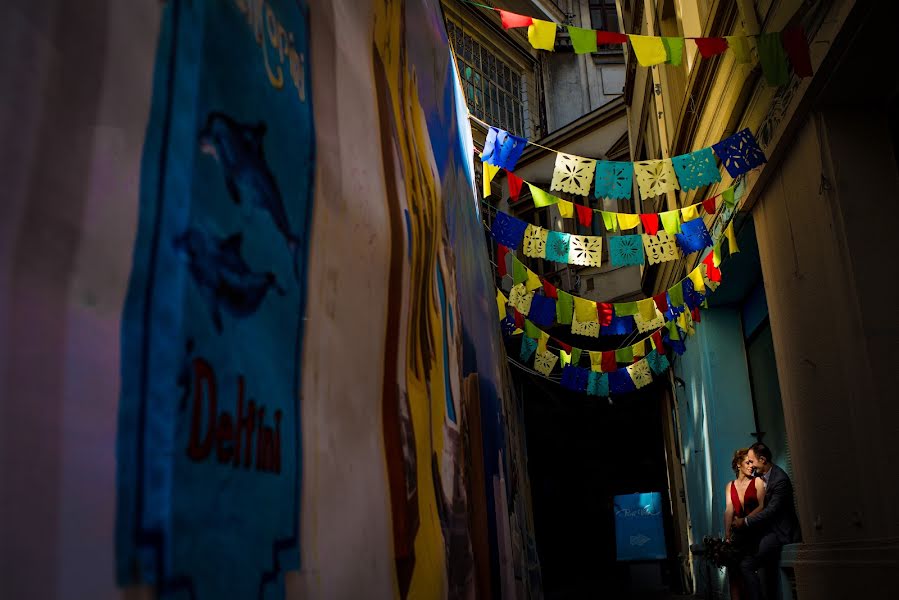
209	449
639	530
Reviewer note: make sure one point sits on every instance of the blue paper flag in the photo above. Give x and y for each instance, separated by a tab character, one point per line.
614	179
696	169
503	149
619	326
657	362
694	236
508	326
626	250
508	230
557	246
528	347
740	153
598	384
575	378
692	298
620	382
543	311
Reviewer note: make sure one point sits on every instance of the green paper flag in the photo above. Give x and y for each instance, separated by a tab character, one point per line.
716	259
671	221
531	330
676	293
610	220
672	330
625	355
542	198
773	58
674	50
728	196
583	40
625	309
575	356
739	45
519	271
564	307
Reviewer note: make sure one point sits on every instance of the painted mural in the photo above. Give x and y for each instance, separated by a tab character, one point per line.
209	435
459	500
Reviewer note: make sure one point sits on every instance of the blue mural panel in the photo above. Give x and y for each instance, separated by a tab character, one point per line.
639	531
209	447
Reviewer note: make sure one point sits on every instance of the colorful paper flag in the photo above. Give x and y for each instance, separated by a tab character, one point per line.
542	34
650	50
739	45
511	20
796	47
674	50
514	185
583	40
542	198
773	58
709	47
502	149
650	223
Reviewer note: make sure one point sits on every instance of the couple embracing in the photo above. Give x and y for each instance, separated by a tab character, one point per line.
759	520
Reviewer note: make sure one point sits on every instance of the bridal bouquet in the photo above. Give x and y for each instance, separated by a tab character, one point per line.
719	552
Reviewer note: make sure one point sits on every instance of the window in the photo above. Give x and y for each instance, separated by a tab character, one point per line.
590	284
493	89
603	15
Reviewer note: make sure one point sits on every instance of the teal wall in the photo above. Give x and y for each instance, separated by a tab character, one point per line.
716	417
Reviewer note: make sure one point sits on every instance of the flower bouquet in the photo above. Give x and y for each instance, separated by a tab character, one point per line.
720	553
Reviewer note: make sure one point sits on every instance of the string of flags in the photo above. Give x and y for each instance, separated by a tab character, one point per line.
776	51
676	238
738	153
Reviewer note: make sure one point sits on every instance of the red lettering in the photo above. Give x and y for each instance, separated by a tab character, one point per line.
260	442
224	435
276	466
196	449
245	424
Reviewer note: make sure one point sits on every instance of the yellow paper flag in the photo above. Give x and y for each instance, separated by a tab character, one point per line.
566	209
647	309
542	35
565	358
585	310
690	212
489	172
596	361
739	45
501	302
731	239
628	221
639	349
696	278
533	282
650	50
716	254
541	343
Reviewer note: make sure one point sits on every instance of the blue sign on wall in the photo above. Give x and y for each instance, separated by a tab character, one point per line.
209	446
639	531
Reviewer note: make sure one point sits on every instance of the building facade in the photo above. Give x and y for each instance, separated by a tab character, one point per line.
794	349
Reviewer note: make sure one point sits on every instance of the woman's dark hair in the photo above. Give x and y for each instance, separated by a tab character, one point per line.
762	451
739	456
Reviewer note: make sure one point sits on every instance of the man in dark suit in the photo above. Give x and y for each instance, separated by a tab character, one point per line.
775	525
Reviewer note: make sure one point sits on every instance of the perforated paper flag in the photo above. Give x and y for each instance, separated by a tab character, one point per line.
508	230
573	174
693	237
543	310
521	299
655	177
696	169
658	363
585	250
587	328
740	153
598	384
626	250
557	246
640	373
502	149
545	361
620	382
534	241
614	179
646	325
528	346
660	247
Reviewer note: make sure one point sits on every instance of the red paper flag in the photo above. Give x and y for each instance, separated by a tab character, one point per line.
661	301
562	345
501	252
797	50
514	185
519	319
650	223
709	204
709	47
610	37
512	20
605	310
657	338
713	272
584	215
608	362
549	290
697	318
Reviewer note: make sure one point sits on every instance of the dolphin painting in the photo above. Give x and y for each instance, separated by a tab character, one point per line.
225	280
238	149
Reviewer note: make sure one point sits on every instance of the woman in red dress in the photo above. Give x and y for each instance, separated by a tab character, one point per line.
745	496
